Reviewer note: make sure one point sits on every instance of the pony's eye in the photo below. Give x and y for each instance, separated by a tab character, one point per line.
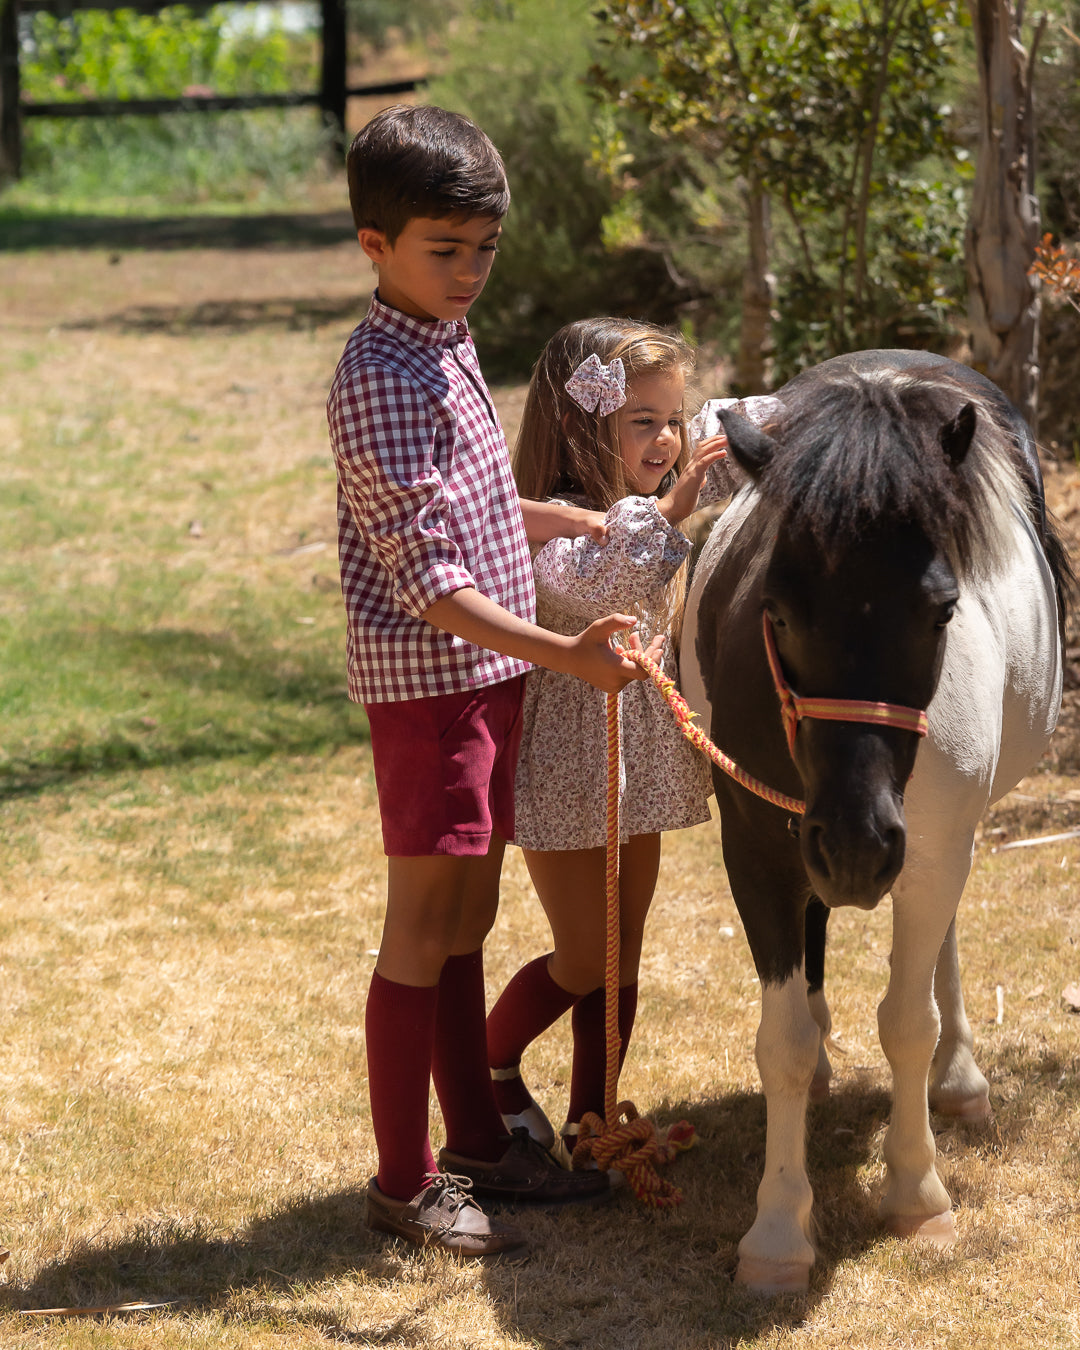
945	613
774	617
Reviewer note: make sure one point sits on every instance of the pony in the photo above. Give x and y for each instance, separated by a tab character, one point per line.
887	577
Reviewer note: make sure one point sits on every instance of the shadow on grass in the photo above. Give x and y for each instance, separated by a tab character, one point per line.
21	230
234	315
198	696
627	1260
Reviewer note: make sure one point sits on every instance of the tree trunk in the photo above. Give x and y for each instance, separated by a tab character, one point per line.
758	290
1003	228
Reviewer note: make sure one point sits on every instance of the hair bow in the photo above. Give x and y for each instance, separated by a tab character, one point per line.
596	387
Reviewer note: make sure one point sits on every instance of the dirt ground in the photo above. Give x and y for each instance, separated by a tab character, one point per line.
208	326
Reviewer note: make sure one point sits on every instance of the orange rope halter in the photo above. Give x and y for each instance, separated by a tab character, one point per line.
793	708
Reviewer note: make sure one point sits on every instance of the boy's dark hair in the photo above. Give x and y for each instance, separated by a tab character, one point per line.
410	162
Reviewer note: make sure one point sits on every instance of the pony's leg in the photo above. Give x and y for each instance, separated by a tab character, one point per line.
776	1254
914	1203
817	918
957	1088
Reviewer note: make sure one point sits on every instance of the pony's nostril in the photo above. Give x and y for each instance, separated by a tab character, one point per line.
815	848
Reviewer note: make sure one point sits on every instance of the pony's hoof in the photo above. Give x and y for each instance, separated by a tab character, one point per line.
938	1229
773	1277
972	1110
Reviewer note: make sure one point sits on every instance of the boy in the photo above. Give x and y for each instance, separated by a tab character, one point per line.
438	590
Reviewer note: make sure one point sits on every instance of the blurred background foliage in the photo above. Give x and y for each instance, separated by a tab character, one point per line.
635	133
168	161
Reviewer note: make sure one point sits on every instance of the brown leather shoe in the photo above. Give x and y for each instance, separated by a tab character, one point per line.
445	1216
526	1171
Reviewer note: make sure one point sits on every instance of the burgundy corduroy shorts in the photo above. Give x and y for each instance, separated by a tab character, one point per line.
444	769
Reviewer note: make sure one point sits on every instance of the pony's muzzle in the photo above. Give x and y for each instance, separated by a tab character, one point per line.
851	862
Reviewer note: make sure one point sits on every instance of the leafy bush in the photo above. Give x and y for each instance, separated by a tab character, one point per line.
841	126
521	72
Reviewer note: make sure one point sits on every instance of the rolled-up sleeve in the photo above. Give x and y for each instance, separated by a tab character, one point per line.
385	432
631	571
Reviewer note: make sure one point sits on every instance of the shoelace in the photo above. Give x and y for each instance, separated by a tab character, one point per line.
451	1188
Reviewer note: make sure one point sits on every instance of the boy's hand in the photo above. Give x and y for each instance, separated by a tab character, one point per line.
591	523
545	521
596	661
682	500
590	656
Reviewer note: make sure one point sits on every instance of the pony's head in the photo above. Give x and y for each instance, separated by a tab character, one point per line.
881	493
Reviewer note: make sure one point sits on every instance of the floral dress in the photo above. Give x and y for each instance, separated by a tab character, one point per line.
561	787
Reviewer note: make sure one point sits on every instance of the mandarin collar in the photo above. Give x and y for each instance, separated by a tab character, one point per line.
422	332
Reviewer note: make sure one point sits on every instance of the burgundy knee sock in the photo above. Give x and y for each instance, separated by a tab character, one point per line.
590	1048
399	1030
528	1005
459	1064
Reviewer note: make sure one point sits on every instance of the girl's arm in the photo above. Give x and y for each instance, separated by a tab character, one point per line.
545	521
726	476
683	499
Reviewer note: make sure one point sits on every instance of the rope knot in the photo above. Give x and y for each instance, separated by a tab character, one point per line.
632	1145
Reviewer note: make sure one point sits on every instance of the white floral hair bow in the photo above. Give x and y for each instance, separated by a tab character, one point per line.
596	387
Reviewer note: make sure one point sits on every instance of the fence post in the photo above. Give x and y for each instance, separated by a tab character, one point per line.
333	82
10	121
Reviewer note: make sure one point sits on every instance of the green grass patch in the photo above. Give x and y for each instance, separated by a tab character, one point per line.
158	605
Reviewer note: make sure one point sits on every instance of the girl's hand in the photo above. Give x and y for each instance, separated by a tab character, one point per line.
682	500
654	651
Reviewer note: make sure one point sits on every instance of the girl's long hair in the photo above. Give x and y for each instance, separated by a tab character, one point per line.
562	450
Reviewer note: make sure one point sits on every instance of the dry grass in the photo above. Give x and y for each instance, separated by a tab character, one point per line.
186	943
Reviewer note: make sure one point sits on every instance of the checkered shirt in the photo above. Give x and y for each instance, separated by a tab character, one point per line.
426	506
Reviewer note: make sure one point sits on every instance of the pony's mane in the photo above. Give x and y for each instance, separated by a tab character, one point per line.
860	448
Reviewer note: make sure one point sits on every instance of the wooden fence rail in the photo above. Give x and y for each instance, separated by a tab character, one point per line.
120	107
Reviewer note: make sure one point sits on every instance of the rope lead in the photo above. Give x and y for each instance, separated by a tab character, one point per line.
624	1141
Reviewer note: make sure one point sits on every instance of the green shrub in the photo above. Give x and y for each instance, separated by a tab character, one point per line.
521	71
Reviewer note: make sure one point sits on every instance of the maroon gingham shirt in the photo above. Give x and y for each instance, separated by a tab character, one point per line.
426	506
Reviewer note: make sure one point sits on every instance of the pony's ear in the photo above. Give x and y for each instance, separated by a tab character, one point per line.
752	448
957	435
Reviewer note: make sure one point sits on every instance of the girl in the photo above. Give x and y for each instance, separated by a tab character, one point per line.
603	427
